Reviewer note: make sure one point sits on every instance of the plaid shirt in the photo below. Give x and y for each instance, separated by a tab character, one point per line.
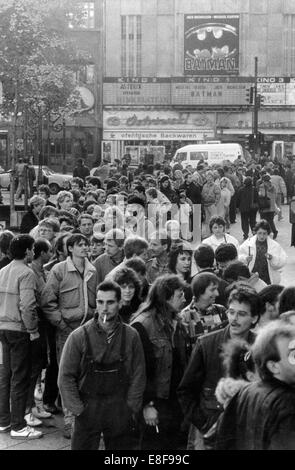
199	322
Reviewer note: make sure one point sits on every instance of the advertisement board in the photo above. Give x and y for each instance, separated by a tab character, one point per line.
290	92
274	94
211	44
136	91
214	92
169	120
200	135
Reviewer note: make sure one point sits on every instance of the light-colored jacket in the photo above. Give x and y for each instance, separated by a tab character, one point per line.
67	297
215	242
17	298
279	184
275	265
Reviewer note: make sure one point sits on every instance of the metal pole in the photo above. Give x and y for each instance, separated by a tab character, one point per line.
255	110
64	163
26	186
40	160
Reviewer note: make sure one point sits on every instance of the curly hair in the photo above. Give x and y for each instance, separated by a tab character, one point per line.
128	276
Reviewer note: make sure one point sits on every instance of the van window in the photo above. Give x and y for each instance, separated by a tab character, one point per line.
181	156
199	155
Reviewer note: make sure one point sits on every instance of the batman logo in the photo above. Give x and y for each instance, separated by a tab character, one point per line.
211	41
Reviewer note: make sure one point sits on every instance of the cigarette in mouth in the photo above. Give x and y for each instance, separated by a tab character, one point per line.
157	429
104	318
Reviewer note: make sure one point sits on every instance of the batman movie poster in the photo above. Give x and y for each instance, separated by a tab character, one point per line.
211	44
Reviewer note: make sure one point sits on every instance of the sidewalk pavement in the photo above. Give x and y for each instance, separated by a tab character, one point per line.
52	439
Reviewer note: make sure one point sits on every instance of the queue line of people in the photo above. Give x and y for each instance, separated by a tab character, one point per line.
133	334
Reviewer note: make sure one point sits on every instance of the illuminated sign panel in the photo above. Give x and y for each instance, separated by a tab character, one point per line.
136	91
210	91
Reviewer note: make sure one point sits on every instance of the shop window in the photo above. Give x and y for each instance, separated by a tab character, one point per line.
131	45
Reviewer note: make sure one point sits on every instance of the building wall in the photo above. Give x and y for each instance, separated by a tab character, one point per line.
267	30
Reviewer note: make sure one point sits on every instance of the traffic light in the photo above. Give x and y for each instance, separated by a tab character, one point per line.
261	139
259	101
250	94
251	139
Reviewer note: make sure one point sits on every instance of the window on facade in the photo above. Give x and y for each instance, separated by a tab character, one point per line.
83	17
131	45
289	44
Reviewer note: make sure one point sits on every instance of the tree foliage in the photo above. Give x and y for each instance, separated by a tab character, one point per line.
38	60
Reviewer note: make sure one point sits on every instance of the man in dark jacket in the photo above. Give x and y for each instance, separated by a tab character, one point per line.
30	218
102	375
81	170
247	202
192	189
196	391
262	415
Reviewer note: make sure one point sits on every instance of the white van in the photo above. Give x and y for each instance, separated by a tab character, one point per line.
209	153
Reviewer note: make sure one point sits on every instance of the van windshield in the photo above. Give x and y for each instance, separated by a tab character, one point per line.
199	155
181	156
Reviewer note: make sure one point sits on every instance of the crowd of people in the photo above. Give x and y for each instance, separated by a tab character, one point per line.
143	329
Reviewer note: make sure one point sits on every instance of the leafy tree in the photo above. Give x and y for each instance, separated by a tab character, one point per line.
38	60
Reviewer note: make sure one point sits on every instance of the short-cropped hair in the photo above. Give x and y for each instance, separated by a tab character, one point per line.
201	281
265	347
137	264
226	252
270	294
107	286
74	239
85	215
117	235
19	245
236	269
44	188
204	256
287	299
41	245
95	181
134	246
